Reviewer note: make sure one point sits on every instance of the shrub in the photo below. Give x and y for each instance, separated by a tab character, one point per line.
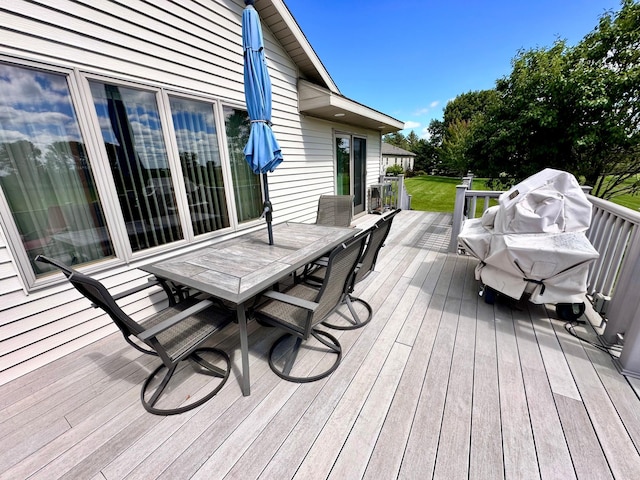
395	170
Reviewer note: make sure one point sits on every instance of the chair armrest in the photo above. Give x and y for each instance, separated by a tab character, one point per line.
171	321
291	300
152	282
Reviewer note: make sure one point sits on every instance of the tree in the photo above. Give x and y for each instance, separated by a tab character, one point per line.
461	117
576	109
469	106
412	141
607	74
526	129
397	139
455	147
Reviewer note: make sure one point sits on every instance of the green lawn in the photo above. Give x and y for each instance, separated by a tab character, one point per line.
437	194
629	201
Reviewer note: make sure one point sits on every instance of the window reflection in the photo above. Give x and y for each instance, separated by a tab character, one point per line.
359	169
343	155
131	130
246	184
44	170
195	131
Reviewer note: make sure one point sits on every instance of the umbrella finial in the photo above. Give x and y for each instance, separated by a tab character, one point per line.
249	2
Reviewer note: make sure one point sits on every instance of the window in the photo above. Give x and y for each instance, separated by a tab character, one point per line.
246	184
165	184
130	125
195	131
45	175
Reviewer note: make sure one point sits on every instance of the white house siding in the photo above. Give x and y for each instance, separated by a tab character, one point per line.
191	46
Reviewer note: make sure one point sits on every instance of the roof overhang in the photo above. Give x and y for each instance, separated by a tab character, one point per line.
322	103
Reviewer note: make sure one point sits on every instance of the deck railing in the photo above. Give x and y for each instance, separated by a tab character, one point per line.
399	198
614	278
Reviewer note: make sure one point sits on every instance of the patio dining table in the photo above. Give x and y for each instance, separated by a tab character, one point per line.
239	269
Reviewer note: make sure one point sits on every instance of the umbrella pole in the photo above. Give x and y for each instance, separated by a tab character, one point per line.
267	208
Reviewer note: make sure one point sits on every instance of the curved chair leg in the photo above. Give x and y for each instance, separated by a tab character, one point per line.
355	321
138	347
204	368
329	341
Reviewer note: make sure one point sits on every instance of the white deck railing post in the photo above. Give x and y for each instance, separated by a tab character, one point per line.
623	310
458	216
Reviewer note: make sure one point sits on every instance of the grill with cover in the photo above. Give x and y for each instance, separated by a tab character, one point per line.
534	242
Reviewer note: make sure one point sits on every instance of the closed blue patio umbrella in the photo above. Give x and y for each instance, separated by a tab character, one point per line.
262	150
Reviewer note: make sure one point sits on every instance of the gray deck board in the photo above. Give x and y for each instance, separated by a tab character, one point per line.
551	448
518	448
438	385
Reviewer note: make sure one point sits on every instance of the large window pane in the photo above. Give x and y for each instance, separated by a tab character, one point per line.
246	184
44	170
131	130
359	172
195	131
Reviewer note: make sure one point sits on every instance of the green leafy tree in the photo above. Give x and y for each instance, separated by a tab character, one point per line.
606	74
575	109
526	129
412	141
453	136
426	159
455	147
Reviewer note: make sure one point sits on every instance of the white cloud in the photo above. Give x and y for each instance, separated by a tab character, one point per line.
411	125
434	104
425	134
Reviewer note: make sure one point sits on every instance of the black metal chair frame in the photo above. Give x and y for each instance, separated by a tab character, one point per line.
306	307
377	235
174	334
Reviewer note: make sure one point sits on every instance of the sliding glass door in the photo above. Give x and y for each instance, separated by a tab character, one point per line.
351	168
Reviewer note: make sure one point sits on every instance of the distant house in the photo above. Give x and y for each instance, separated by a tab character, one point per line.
121	134
392	155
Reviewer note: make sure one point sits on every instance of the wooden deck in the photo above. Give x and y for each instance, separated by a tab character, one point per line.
438	385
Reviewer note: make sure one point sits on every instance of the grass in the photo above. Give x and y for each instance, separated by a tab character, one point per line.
629	201
437	194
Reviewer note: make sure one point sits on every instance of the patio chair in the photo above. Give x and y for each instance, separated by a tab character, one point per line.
335	210
366	264
174	334
299	310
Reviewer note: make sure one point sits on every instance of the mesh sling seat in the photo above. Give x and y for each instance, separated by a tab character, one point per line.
335	210
174	334
300	309
366	264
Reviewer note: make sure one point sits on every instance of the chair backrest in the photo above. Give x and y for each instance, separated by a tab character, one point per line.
94	291
335	210
376	241
340	268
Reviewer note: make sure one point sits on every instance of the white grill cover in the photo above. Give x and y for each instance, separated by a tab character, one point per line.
534	240
551	201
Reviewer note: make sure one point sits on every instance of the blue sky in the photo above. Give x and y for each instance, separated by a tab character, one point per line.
408	58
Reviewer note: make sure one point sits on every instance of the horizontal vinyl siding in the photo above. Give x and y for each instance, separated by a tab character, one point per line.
189	46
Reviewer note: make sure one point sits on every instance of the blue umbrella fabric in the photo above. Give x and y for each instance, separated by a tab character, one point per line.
262	150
